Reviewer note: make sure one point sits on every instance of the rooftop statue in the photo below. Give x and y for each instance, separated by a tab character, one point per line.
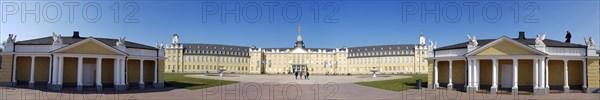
472	40
121	42
539	40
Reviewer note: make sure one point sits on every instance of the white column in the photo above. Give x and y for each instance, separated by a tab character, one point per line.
14	70
494	73
32	73
584	75
436	75
477	75
535	74
470	72
546	76
79	71
54	70
566	74
141	72
450	73
542	73
61	64
99	71
156	72
122	71
515	74
116	71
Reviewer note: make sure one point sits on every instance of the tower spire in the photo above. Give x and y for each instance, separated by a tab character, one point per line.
422	39
299	42
298	29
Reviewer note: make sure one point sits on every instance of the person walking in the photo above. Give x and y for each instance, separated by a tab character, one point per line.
296	73
303	75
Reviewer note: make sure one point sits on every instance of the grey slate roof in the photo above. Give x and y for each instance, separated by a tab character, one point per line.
200	46
197	49
209	49
395	47
317	49
70	40
308	49
357	51
275	49
529	41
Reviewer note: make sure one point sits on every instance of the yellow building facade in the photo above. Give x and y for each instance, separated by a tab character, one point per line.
209	58
57	62
206	58
531	64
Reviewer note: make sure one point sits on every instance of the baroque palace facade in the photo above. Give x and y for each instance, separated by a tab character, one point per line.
209	58
72	61
519	64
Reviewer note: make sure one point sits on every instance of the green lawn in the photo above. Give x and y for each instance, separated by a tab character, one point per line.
398	84
178	80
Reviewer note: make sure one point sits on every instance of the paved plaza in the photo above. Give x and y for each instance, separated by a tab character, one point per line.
279	87
320	79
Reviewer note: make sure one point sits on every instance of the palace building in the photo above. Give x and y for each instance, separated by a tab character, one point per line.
57	61
209	58
537	65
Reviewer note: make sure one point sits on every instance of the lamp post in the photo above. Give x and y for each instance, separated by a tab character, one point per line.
262	67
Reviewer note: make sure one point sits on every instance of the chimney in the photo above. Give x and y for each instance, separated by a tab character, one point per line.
76	34
521	35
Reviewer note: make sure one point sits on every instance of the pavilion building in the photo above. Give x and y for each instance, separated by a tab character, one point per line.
56	62
537	65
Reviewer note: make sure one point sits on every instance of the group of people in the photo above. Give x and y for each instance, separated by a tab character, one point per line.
302	74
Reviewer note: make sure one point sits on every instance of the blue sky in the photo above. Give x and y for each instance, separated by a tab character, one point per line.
353	22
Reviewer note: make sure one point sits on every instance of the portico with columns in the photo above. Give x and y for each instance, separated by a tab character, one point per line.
516	64
81	62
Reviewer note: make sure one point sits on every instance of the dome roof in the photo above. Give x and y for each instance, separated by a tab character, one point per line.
299	38
299	42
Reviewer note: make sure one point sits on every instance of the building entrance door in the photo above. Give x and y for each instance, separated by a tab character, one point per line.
298	68
507	76
88	74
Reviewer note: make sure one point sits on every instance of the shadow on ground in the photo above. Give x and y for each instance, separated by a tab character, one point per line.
182	84
87	90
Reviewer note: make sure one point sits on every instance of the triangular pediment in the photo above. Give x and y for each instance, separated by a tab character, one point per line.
90	46
505	46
